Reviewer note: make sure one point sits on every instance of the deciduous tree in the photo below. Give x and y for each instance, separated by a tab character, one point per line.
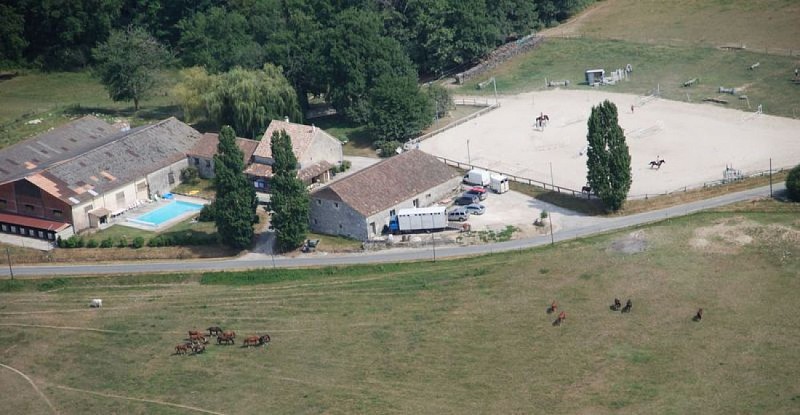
235	204
127	63
609	160
398	109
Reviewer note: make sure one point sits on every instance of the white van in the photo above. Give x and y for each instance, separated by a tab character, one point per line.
458	214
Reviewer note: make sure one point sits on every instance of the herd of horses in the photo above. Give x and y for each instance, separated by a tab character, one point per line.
197	341
617	306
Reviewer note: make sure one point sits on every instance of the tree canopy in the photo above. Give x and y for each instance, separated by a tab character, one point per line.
290	202
609	160
245	99
235	204
399	110
127	62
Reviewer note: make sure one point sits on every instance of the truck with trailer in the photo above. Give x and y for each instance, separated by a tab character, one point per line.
418	220
477	177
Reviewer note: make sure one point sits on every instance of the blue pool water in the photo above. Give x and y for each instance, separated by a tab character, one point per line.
168	212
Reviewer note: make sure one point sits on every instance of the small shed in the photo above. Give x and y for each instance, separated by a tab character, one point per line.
595	76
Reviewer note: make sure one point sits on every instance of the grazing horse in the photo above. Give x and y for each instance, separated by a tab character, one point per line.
251	341
198	348
264	339
214	330
656	164
183	348
586	189
198	338
561	317
553	307
617	305
194	333
230	334
698	316
223	338
628	306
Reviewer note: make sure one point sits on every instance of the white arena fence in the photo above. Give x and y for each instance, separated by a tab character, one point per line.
473	102
714	183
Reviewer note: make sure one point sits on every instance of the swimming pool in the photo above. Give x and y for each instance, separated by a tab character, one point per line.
167	212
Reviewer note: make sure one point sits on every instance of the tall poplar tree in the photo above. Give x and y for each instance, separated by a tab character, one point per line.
289	199
609	160
235	205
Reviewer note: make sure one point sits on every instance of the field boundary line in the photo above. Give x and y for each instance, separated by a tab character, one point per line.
110	395
36	388
58	327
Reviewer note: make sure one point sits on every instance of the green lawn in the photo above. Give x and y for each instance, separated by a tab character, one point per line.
665	66
461	336
56	97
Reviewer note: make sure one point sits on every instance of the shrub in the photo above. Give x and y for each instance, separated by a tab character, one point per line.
207	213
189	175
155	242
346	164
122	243
79	242
107	243
138	242
387	148
91	243
793	184
59	242
543	215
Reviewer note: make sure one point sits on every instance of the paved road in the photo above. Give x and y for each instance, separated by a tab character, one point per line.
393	255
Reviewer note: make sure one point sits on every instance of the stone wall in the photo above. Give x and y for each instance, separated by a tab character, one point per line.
500	55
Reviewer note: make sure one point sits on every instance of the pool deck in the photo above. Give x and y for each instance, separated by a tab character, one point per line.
149	207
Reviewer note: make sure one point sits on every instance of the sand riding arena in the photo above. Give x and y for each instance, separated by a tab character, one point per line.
696	141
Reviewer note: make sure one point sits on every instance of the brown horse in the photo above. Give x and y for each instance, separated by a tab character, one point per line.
194	333
231	334
562	316
198	348
214	330
264	339
656	164
699	316
251	341
222	338
617	305
198	338
183	348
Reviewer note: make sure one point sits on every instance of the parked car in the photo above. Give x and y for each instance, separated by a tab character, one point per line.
458	214
475	208
478	191
467	200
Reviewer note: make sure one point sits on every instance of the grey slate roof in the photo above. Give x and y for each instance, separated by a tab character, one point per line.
389	182
130	155
54	146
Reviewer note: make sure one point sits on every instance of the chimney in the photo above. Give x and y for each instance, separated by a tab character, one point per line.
286	118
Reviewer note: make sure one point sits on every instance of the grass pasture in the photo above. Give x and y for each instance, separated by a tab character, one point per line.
765	25
57	97
656	65
468	335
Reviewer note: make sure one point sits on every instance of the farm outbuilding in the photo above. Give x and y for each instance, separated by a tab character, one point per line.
595	76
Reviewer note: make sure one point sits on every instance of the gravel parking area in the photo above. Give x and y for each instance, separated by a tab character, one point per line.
520	210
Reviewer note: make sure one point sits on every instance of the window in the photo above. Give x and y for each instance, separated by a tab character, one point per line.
392	213
29	208
336	205
340	226
41	234
171	177
208	163
196	161
319	202
3	203
428	196
415	203
5	227
58	213
315	221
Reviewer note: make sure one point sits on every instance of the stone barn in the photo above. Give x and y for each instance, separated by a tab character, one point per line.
359	206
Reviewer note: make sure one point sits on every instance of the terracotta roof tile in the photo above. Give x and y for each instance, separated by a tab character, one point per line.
301	136
206	147
389	182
